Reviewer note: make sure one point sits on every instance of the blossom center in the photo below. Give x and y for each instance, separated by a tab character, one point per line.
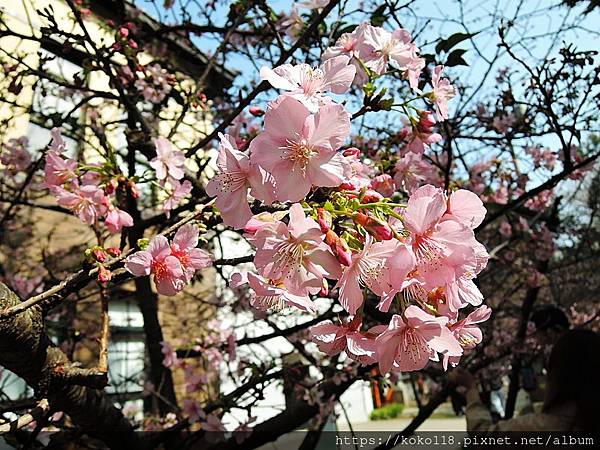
370	270
312	81
160	271
299	153
288	256
413	344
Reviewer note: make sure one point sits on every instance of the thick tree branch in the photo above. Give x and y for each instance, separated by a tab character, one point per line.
26	350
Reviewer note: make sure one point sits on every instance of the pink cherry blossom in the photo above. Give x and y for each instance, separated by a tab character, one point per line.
58	171
87	202
422	135
292	24
446	250
258	221
411	171
116	219
333	339
466	332
360	173
170	356
178	192
353	45
307	84
184	249
313	4
271	295
395	47
410	342
466	208
299	148
14	155
371	267
231	186
442	92
384	184
158	261
296	254
169	162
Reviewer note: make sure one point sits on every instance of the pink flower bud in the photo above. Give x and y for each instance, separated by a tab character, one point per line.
111	186
133	44
377	228
339	247
324	292
99	255
324	219
135	193
103	274
124	32
352	151
371	197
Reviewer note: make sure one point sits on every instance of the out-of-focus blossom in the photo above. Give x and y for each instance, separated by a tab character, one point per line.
442	92
169	162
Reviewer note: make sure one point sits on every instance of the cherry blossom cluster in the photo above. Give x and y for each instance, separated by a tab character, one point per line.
90	191
419	258
169	166
14	157
171	264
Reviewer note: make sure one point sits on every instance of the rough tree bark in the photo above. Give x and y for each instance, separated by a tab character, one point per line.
26	350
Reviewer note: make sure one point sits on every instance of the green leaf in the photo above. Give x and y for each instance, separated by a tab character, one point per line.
386	104
455	58
377	18
446	44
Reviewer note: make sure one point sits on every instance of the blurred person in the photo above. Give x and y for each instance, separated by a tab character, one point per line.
550	324
571	397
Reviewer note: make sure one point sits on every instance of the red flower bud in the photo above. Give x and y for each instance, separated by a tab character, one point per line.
124	32
347	186
256	111
114	251
426	120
